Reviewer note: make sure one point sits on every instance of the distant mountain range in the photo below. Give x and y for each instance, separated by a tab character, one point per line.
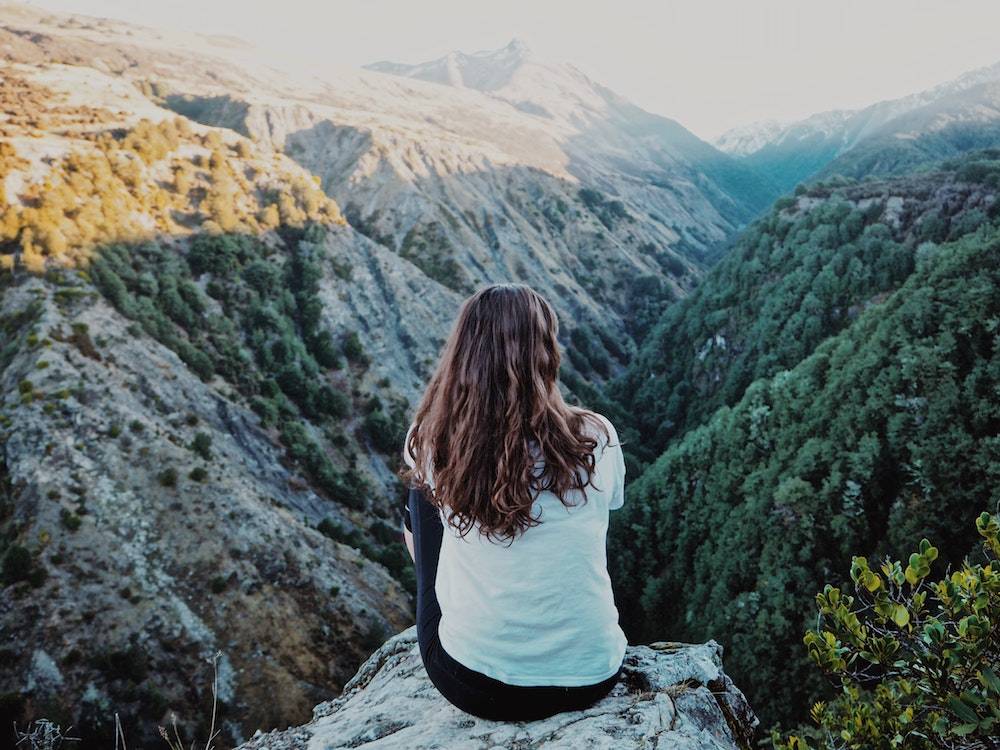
885	138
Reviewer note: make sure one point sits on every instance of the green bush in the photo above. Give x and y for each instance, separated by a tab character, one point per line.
386	434
130	664
167	477
17	565
202	445
917	661
353	349
70	520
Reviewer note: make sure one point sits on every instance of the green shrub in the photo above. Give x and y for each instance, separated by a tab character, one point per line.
131	664
351	538
70	520
917	660
17	564
386	433
198	474
353	349
167	477
202	445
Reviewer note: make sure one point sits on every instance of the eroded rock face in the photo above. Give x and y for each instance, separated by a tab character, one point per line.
671	695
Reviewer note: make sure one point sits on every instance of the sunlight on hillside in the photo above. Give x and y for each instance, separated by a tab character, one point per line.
99	185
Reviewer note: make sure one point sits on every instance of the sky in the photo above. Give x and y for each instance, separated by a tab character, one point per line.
710	65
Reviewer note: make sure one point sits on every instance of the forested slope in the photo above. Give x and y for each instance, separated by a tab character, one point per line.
886	432
795	277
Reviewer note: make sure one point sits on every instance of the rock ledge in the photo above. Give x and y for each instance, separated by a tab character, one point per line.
671	695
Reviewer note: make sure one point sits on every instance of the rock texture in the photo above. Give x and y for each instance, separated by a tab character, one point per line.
673	696
153	579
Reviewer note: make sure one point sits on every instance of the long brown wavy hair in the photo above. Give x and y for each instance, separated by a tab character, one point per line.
494	391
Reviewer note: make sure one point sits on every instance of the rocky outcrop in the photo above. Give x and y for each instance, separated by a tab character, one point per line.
149	565
671	695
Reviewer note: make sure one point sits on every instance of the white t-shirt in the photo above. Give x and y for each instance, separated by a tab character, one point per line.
539	610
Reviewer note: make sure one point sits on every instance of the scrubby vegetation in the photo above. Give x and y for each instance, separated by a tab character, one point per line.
153	179
608	212
217	249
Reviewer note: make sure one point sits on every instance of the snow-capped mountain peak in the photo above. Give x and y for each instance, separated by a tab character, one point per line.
746	139
486	70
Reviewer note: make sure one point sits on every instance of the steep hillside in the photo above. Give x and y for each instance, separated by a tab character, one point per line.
886	138
543	176
884	432
794	278
195	420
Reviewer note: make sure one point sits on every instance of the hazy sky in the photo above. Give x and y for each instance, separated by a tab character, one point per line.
711	65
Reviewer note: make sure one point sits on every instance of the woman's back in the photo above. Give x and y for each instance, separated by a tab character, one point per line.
538	610
510	489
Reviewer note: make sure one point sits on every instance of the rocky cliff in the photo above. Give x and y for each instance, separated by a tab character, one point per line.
151	493
672	696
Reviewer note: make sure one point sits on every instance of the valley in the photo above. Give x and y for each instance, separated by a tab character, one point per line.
223	287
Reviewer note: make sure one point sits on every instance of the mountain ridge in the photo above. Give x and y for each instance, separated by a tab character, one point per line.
793	152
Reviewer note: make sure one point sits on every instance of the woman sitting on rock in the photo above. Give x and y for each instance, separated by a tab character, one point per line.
507	518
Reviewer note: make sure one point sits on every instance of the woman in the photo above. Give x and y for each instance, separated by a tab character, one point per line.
507	520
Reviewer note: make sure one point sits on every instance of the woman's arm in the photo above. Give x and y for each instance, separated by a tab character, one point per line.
408	540
407	534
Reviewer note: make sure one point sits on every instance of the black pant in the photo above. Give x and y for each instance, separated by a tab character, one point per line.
471	691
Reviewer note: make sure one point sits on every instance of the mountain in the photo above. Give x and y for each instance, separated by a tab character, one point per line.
222	288
611	136
610	211
827	392
888	137
190	425
543	177
489	70
744	140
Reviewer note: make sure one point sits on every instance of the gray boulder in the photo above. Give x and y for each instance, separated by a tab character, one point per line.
671	695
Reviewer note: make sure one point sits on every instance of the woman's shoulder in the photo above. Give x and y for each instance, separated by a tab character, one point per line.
601	428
